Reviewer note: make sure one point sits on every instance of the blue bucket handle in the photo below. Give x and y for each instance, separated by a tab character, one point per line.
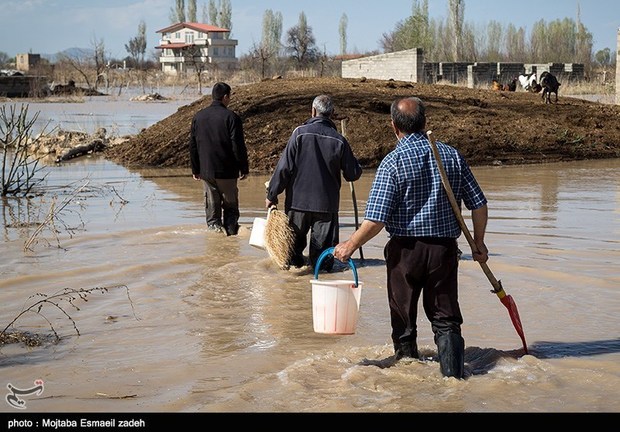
330	251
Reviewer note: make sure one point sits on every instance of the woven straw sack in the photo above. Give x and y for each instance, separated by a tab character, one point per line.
279	238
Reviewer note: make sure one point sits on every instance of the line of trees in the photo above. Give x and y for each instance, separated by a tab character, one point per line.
560	41
219	15
451	39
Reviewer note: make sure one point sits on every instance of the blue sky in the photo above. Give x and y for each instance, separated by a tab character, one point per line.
49	26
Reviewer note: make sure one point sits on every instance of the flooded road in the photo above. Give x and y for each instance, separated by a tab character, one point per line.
193	321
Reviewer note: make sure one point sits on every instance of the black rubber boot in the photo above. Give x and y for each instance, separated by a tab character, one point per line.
451	352
232	230
406	350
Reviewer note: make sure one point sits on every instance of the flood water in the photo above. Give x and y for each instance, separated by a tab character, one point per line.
197	322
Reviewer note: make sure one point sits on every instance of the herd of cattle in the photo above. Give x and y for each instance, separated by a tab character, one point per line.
546	82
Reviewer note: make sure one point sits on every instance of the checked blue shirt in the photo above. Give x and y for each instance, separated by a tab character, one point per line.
408	197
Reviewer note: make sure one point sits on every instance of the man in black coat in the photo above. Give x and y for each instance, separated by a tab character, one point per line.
219	157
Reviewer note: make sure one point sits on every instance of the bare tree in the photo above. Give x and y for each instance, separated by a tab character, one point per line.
177	13
494	38
18	166
605	60
538	39
301	43
180	10
4	58
583	43
100	61
272	32
413	32
196	59
603	57
81	62
205	14
516	48
137	45
191	11
137	48
226	17
444	44
342	29
387	41
213	13
421	26
473	43
221	16
261	54
456	13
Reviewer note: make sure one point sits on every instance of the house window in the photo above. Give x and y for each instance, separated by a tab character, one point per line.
201	35
189	37
216	52
177	35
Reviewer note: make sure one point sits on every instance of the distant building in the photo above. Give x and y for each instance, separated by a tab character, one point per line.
27	62
194	47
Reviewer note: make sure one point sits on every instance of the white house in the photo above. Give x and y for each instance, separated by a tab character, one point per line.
194	47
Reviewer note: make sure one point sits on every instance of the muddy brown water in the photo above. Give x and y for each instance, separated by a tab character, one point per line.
196	322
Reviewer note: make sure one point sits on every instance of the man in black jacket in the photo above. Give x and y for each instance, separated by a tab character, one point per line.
309	171
219	157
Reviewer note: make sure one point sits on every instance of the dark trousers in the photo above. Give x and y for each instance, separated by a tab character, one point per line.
222	204
324	232
422	266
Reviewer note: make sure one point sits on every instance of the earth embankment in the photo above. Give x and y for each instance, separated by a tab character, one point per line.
487	126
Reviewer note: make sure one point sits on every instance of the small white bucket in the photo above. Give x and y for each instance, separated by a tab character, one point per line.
335	303
257	237
335	306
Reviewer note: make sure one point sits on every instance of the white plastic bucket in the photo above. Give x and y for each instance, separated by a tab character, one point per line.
335	303
257	236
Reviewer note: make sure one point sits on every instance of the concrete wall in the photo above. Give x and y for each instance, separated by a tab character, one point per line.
481	74
407	65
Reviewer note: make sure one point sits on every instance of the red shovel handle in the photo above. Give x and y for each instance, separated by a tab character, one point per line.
497	285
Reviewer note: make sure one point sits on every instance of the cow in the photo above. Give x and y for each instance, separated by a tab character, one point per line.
549	85
528	81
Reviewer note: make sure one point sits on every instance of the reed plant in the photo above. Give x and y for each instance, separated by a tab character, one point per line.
19	165
43	305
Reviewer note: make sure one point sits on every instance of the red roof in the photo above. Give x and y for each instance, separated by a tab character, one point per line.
173	45
205	28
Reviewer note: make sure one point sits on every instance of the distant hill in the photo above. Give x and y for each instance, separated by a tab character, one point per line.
70	52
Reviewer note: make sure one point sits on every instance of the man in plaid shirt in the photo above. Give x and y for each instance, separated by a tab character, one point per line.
408	199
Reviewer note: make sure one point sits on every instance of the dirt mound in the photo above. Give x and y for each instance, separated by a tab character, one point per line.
487	126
